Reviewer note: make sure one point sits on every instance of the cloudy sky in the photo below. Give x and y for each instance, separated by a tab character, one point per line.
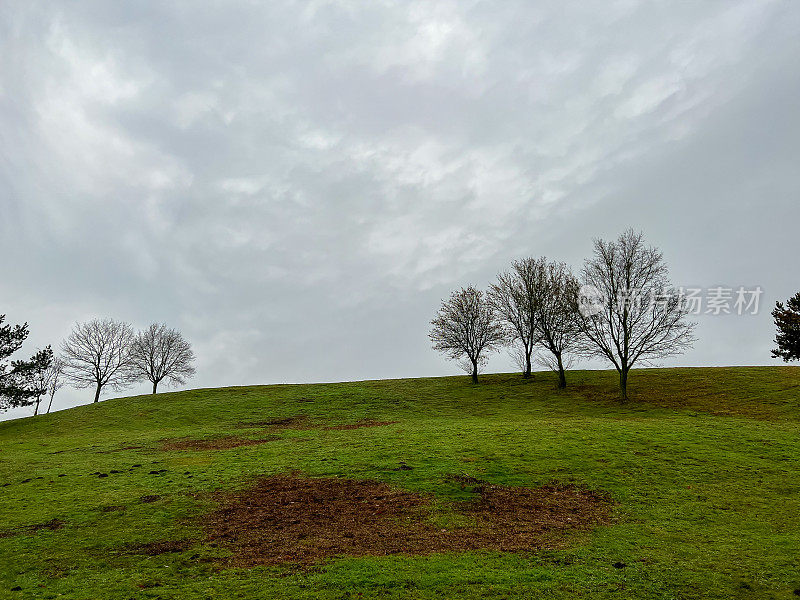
296	186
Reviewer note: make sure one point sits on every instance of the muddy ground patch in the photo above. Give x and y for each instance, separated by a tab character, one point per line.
358	425
291	519
52	525
300	422
303	422
218	443
297	422
159	547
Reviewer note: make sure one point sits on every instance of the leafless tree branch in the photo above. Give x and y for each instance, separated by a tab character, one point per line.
636	316
465	328
97	353
159	353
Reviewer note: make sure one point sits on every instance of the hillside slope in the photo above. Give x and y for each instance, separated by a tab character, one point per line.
700	474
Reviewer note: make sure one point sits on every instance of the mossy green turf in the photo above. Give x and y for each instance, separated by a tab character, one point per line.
703	465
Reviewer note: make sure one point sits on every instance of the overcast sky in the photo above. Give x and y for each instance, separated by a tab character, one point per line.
296	186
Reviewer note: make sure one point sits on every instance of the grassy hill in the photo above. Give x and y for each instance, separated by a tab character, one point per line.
699	476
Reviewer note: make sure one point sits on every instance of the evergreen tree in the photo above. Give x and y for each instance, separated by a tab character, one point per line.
17	387
787	320
33	376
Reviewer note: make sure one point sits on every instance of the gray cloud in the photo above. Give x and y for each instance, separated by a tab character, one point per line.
296	185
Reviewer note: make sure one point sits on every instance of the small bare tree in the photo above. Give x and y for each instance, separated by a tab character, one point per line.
465	328
548	361
97	354
536	301
556	290
54	379
514	299
628	310
160	353
519	356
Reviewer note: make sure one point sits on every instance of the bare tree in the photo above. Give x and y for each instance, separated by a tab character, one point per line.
513	298
97	353
549	362
160	353
465	328
519	356
54	379
536	302
556	289
629	312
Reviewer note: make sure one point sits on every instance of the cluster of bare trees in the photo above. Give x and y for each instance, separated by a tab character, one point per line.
622	308
108	354
100	354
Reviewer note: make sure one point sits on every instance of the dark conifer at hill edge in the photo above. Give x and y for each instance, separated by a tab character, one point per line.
787	320
17	379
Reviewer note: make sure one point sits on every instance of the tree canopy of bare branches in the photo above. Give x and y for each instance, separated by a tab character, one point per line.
466	328
97	354
54	379
536	301
513	298
629	312
555	292
160	353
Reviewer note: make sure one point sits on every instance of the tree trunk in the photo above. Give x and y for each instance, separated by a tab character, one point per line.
623	385
97	393
527	372
36	409
562	378
155	387
49	404
474	371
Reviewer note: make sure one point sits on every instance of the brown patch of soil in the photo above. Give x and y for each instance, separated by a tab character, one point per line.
52	525
359	425
302	422
465	480
160	547
288	519
295	422
220	443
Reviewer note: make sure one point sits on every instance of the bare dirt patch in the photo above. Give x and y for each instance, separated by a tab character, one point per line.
160	547
302	422
289	519
296	422
52	525
220	443
359	425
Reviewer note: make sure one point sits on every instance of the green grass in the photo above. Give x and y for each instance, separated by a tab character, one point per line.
704	465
